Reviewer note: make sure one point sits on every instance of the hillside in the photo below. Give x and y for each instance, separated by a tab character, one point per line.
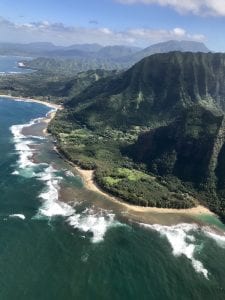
154	90
70	66
154	134
50	86
191	149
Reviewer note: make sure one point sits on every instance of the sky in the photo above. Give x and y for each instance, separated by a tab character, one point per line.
113	22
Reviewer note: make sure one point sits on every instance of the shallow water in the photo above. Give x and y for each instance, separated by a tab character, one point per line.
87	247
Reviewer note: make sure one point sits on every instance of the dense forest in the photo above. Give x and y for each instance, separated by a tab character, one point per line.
49	85
155	133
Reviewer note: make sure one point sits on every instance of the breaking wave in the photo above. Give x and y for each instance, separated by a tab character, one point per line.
182	241
88	221
52	206
96	223
219	239
23	144
19	216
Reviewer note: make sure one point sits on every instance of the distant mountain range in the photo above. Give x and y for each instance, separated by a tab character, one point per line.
125	55
164	47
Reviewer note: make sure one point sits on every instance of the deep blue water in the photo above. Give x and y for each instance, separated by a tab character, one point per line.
78	250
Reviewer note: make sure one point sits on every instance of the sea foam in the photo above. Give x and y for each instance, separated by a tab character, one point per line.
95	222
19	216
218	238
23	143
51	206
182	241
90	220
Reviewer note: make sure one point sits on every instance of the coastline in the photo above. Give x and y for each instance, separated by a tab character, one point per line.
88	175
50	115
49	104
90	184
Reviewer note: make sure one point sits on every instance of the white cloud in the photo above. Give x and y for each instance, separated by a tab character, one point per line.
60	34
198	7
179	32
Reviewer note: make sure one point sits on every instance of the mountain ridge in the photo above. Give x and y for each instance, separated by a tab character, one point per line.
174	104
155	89
126	55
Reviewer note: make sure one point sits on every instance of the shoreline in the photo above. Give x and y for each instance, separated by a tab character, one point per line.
88	175
49	116
26	99
90	184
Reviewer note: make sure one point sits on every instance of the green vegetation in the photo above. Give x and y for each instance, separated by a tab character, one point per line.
49	85
71	66
154	134
154	91
101	150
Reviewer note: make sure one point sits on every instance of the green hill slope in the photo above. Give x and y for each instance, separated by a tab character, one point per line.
164	117
154	90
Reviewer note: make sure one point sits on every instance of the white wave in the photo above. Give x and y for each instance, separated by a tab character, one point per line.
218	238
53	109
15	173
23	143
182	242
25	154
20	216
69	173
51	206
88	221
95	222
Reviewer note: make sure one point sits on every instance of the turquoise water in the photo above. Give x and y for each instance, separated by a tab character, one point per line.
8	64
78	250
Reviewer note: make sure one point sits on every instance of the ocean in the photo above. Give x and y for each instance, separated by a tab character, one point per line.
60	241
9	65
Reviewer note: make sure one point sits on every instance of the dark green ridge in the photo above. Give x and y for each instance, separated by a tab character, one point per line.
155	133
154	90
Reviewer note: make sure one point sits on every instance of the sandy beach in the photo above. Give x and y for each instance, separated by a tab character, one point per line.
88	178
